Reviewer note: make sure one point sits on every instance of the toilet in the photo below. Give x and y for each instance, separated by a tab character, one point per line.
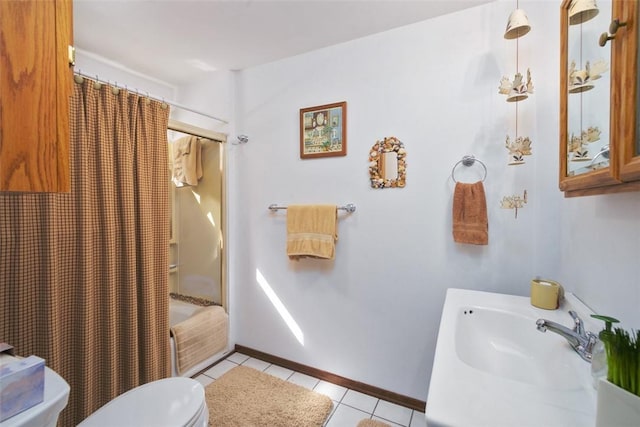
46	413
170	402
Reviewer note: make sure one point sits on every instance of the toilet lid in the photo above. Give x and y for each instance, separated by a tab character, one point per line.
168	402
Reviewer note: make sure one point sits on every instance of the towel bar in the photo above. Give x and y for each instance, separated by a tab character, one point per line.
349	207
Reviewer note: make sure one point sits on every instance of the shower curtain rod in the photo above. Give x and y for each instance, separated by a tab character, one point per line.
173	104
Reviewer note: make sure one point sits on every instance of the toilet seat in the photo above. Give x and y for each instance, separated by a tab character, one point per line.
174	402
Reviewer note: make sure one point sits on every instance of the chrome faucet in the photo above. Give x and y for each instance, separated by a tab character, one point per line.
581	341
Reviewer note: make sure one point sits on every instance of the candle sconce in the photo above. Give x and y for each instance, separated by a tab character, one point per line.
514	202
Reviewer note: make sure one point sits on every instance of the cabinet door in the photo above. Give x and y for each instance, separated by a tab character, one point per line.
587	140
626	51
35	86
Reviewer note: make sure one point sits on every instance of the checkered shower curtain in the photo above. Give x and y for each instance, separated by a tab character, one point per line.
84	275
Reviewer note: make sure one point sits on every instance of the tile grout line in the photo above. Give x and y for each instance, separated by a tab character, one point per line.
375	407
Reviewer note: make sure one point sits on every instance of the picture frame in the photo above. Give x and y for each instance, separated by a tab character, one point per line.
323	131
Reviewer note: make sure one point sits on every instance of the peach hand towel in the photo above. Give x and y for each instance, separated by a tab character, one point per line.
470	224
187	162
311	231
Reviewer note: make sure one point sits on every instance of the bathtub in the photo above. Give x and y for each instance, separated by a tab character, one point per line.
178	312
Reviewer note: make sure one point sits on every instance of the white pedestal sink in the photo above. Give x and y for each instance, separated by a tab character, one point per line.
492	367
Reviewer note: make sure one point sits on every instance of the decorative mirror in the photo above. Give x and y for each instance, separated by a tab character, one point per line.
387	165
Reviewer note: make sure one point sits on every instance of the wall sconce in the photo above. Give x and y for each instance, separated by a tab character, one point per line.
517	90
518	148
581	11
518	25
582	80
514	202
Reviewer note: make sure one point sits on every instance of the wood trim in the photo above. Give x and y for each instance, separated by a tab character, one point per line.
377	392
564	36
627	55
35	90
598	178
624	187
64	91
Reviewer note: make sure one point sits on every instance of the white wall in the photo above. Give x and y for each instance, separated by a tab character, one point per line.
600	247
94	65
372	314
211	94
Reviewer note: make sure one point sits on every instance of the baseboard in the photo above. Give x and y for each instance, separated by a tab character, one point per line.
380	393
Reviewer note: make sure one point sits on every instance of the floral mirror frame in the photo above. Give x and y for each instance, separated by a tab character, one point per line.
388	145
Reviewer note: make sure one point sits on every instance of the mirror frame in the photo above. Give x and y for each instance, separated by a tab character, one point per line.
387	145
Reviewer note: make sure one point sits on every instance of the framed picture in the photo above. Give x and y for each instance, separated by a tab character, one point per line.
323	131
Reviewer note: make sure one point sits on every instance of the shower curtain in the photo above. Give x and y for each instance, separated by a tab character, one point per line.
84	275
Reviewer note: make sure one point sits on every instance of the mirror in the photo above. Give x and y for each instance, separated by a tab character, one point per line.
588	87
387	165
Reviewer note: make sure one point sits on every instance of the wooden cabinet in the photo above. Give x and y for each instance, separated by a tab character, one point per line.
599	137
35	87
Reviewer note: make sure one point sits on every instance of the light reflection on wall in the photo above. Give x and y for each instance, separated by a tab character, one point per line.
279	306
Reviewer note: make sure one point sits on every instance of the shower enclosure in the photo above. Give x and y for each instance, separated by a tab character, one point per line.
196	251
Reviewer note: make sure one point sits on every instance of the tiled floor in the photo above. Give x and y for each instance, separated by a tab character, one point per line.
349	406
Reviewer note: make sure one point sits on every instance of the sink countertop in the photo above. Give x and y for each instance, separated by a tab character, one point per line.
473	386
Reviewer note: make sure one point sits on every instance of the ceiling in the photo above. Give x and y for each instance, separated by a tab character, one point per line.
179	40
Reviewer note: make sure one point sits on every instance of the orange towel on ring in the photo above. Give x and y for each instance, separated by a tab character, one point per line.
470	223
311	231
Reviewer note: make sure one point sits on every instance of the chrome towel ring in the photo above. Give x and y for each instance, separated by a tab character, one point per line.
468	161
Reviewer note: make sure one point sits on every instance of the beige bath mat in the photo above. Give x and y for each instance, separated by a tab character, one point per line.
372	423
245	397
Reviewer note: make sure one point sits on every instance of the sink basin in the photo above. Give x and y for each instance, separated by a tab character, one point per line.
493	367
507	344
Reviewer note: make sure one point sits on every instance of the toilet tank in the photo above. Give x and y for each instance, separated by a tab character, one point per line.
45	413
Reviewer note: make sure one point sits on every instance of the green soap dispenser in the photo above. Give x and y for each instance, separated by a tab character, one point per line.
599	354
